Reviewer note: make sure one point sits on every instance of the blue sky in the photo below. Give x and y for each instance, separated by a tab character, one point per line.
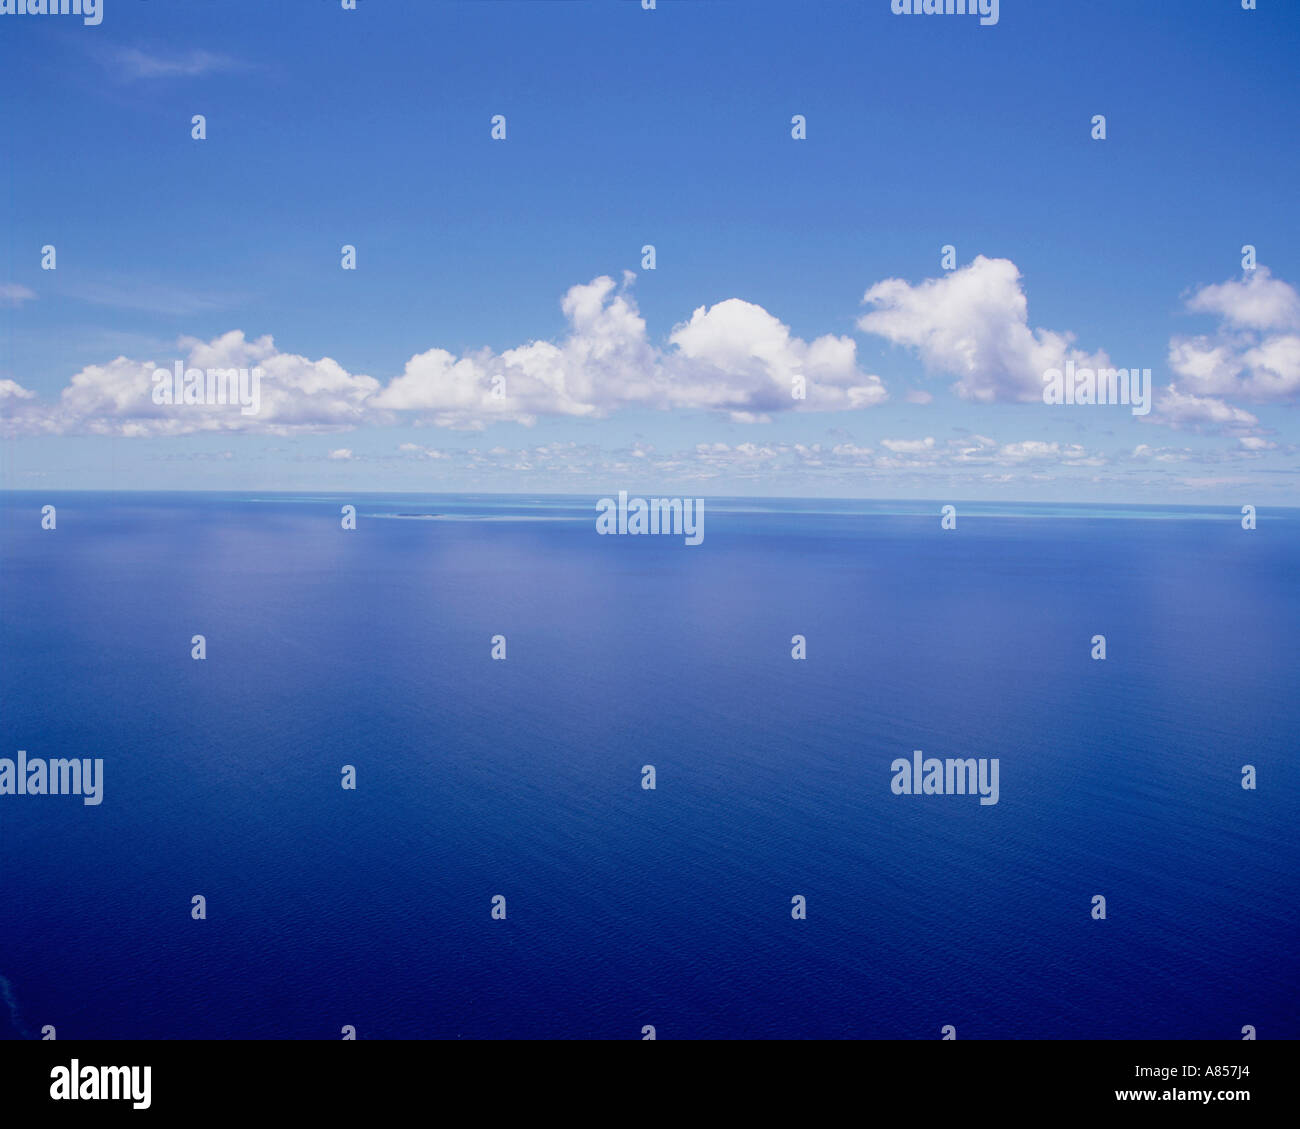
669	127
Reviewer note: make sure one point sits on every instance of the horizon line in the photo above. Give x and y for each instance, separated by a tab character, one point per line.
1227	506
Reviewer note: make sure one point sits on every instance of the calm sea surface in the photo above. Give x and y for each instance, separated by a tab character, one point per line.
628	907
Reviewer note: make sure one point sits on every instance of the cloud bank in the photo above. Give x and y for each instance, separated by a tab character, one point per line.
734	358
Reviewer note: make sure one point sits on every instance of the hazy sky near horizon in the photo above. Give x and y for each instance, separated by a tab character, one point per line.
502	331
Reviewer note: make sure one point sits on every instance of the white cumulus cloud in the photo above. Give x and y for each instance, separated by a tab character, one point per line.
1255	352
973	323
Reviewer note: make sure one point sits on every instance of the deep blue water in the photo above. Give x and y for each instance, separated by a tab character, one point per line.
627	907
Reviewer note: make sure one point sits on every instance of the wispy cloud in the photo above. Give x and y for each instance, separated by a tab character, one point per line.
11	294
131	63
149	297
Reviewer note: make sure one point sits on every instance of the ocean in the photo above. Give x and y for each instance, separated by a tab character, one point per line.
628	907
